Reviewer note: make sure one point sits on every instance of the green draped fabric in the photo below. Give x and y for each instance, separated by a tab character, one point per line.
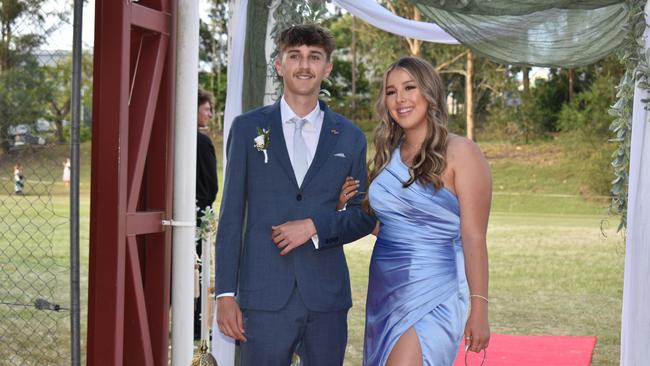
512	7
561	33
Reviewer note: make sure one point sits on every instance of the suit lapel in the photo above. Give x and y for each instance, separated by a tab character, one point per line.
328	137
278	146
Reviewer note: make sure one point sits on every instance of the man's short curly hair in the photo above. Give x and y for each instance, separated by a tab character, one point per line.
307	34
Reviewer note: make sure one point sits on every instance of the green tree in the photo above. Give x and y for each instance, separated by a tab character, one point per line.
357	105
21	91
348	84
58	98
550	96
14	44
584	126
213	55
377	49
23	29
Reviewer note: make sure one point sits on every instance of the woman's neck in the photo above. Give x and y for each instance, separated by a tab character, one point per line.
413	141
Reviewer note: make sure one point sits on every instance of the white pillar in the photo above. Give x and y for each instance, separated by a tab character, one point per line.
635	322
187	83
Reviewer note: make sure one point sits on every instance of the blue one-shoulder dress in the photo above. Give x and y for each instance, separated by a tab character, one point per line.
417	271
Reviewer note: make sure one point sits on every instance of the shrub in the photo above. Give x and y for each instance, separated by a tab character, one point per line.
584	125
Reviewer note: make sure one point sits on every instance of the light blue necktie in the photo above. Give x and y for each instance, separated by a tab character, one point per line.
300	152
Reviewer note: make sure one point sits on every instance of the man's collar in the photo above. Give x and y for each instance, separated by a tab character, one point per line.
287	113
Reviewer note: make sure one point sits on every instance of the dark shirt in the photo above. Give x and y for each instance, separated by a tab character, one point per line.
206	171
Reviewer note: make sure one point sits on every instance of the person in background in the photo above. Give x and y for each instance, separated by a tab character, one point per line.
66	173
207	184
19	179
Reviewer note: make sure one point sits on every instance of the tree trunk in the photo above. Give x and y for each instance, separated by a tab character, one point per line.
570	85
59	131
416	44
525	71
6	40
469	95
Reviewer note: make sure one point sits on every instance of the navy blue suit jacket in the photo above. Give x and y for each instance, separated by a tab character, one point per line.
258	195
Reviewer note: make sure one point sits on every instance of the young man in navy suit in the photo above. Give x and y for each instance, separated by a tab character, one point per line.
281	274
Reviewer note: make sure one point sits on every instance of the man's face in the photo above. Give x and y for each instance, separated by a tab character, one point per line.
204	115
302	69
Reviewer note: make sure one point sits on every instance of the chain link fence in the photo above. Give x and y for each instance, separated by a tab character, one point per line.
34	274
35	92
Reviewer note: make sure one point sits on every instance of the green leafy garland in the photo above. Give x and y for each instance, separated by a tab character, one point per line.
208	224
292	12
635	60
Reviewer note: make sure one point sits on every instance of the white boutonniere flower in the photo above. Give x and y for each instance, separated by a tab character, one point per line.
262	142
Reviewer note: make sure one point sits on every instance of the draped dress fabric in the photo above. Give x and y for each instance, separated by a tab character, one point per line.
417	271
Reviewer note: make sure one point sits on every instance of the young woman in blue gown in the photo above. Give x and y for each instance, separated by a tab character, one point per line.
430	191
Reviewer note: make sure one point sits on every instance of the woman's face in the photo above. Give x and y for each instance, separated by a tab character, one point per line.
405	101
204	115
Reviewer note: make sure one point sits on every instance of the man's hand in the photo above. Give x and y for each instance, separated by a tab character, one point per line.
292	234
229	318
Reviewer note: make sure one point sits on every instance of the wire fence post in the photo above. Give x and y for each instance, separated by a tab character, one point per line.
75	324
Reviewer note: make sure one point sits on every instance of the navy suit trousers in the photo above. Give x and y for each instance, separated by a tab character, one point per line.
319	338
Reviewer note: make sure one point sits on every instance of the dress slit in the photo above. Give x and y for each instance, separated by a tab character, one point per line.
417	336
404	328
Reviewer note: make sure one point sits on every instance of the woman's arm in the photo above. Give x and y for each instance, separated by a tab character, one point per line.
348	190
473	186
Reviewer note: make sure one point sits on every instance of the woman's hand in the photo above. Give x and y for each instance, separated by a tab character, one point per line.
348	190
477	328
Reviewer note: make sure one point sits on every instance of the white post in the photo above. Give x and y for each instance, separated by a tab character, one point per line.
206	263
635	317
187	83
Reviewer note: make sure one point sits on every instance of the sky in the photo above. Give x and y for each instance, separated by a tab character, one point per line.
62	38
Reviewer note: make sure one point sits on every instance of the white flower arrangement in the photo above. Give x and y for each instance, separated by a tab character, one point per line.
261	142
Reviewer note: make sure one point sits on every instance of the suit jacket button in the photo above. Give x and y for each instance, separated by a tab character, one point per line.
299	197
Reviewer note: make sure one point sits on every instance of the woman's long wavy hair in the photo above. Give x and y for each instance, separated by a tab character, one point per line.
431	161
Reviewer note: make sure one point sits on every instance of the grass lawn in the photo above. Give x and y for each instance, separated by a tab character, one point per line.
552	272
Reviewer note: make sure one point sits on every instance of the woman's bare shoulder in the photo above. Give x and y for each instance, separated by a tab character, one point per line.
460	148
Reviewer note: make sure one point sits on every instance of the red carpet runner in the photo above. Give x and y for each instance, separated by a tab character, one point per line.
511	350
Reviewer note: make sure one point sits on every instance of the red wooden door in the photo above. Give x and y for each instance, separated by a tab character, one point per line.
131	182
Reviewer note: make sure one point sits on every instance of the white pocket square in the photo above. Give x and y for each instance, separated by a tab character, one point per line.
340	155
